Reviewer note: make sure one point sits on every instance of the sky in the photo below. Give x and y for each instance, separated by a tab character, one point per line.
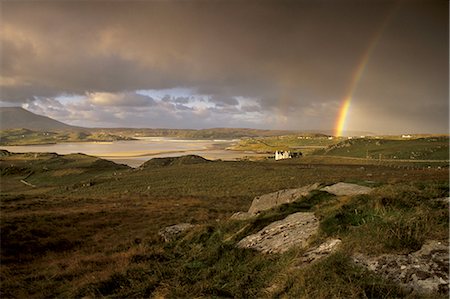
368	65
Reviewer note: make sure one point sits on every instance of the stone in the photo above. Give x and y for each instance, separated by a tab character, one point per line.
170	233
271	200
422	272
315	253
341	189
241	216
442	199
282	235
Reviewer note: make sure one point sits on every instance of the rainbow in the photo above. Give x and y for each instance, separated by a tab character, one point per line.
340	124
357	74
345	105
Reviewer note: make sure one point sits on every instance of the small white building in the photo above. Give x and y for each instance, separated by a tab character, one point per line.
280	155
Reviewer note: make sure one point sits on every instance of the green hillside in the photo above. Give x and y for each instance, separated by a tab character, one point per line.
430	148
305	143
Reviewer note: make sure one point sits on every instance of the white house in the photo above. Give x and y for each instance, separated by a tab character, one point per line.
280	155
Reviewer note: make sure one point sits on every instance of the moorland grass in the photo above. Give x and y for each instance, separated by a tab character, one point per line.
429	148
68	240
205	262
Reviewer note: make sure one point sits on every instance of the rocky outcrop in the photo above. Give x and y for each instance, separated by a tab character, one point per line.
423	271
274	199
268	201
341	189
280	236
320	251
170	233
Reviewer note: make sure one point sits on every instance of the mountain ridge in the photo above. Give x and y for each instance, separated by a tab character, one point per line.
20	118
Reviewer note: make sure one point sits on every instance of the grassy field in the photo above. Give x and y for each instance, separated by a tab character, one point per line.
425	148
88	227
430	148
303	143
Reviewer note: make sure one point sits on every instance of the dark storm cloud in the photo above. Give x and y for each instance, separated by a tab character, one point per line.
296	57
235	47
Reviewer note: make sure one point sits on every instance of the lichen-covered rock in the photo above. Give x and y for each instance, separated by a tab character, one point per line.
282	235
341	189
170	233
271	200
424	271
320	251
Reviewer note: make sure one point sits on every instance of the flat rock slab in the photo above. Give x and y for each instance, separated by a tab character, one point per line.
170	233
268	201
424	271
341	189
320	251
282	235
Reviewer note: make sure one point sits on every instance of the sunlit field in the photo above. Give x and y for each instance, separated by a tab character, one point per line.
89	227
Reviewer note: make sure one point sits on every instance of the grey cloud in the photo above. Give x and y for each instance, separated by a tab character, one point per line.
251	108
225	109
166	98
130	99
49	107
178	100
182	100
222	101
183	107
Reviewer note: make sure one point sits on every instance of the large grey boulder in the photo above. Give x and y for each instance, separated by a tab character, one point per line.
274	199
424	271
341	189
271	200
282	235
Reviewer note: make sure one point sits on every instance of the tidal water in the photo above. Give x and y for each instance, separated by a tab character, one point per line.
136	152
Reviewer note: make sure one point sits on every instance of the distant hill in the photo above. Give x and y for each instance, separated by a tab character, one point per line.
344	133
17	117
212	133
170	161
